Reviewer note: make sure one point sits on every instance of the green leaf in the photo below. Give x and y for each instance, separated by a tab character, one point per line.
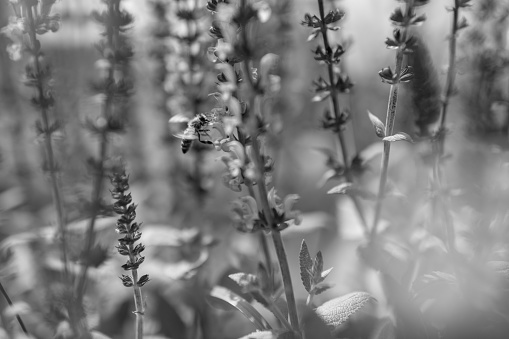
220	295
306	265
317	268
377	124
336	311
400	136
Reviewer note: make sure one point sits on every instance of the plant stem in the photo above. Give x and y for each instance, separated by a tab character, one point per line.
138	298
50	158
451	70
111	34
309	299
389	124
337	113
9	301
262	190
439	140
277	240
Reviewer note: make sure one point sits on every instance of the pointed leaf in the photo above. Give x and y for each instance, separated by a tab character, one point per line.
325	274
220	295
317	267
336	311
306	264
377	124
400	136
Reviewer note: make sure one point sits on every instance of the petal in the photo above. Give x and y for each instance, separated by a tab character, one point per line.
289	201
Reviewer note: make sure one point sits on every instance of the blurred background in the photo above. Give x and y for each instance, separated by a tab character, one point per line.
191	244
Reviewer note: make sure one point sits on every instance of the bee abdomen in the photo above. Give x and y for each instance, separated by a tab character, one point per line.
185	145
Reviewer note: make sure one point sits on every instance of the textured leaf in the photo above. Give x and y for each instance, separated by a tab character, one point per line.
377	124
336	311
400	136
306	265
220	294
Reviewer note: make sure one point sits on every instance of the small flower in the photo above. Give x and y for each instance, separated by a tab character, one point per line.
245	214
283	209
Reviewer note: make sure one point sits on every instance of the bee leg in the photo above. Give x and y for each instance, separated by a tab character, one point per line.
204	141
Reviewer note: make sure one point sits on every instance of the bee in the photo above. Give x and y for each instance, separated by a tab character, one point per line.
195	129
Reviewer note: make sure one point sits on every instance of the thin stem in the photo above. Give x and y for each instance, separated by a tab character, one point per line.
262	190
389	124
277	240
451	70
309	299
57	199
96	196
138	298
111	34
337	113
9	301
287	280
263	240
438	148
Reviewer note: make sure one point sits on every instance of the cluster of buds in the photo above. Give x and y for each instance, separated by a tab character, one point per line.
338	82
31	17
242	125
128	228
402	41
114	83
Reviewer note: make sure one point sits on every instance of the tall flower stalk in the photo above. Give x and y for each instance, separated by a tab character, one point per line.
403	42
243	125
184	75
130	231
337	83
115	87
36	19
438	139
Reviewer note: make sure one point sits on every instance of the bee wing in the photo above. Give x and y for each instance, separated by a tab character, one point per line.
186	136
178	119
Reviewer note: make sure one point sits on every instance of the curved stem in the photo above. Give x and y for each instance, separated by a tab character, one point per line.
9	301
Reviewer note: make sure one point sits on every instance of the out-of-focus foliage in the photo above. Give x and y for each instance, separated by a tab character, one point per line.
438	265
